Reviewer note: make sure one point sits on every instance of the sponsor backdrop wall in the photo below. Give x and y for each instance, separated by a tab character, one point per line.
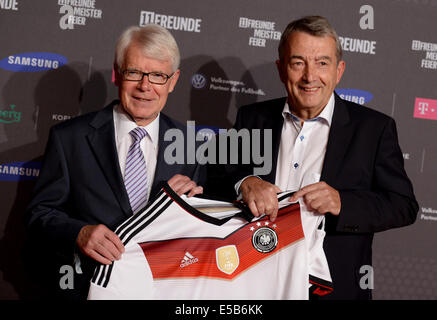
56	63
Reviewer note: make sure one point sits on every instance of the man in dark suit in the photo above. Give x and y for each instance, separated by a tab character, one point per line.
343	158
83	192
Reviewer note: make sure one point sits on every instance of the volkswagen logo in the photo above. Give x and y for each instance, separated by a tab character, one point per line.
198	81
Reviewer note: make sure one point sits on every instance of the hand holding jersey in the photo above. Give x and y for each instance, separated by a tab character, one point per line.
214	250
183	184
101	244
319	197
261	198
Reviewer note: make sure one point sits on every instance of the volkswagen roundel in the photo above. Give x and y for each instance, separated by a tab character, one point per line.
198	81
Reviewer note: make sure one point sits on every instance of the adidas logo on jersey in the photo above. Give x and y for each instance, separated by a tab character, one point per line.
187	260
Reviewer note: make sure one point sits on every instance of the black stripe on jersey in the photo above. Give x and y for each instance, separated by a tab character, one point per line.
245	212
282	196
137	227
138	219
100	275
125	227
108	275
228	235
200	237
197	213
96	273
126	223
318	282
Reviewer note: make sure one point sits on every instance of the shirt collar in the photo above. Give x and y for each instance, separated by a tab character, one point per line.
325	115
124	124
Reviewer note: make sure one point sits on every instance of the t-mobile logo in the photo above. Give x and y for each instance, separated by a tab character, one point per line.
425	108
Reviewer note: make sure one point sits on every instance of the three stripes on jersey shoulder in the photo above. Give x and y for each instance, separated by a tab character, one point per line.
129	229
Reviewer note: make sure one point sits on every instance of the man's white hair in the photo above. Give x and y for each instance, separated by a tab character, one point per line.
155	41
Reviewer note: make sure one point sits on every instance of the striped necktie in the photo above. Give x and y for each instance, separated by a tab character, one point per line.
135	178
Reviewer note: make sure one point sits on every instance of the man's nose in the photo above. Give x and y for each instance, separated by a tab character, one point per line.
144	84
310	72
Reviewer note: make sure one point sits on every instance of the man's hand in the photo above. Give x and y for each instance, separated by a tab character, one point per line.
320	197
100	243
182	184
260	196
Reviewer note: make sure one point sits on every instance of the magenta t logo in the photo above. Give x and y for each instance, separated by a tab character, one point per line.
425	108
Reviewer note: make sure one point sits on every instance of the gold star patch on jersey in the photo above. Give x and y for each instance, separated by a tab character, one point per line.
227	259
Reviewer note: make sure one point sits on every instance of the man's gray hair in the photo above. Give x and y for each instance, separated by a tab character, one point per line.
314	25
155	41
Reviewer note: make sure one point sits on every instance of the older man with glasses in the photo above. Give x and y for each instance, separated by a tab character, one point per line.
102	167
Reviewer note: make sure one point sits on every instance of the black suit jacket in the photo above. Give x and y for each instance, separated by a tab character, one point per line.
80	183
363	161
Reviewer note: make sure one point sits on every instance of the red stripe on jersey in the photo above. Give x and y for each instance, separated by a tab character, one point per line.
165	257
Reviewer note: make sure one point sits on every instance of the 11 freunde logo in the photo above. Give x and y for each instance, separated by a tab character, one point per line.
76	12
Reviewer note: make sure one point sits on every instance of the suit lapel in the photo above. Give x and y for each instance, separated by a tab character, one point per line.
161	166
340	136
102	142
275	121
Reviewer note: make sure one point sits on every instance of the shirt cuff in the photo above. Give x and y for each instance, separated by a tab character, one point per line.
238	184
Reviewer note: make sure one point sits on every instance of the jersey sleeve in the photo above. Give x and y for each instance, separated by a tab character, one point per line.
129	278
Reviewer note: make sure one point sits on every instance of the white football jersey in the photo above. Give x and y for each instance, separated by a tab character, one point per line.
193	248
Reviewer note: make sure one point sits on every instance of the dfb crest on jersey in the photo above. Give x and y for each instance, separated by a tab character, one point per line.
265	240
227	259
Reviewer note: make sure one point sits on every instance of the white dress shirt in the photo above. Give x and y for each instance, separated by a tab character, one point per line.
302	148
123	124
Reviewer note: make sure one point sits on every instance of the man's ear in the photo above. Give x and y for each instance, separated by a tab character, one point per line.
340	70
173	80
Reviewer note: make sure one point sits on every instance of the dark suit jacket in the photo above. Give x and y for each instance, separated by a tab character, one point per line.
363	161
80	182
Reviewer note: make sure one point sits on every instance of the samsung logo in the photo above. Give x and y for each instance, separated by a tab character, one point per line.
33	62
355	95
19	171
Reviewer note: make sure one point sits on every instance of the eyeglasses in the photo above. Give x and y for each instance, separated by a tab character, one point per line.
154	77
